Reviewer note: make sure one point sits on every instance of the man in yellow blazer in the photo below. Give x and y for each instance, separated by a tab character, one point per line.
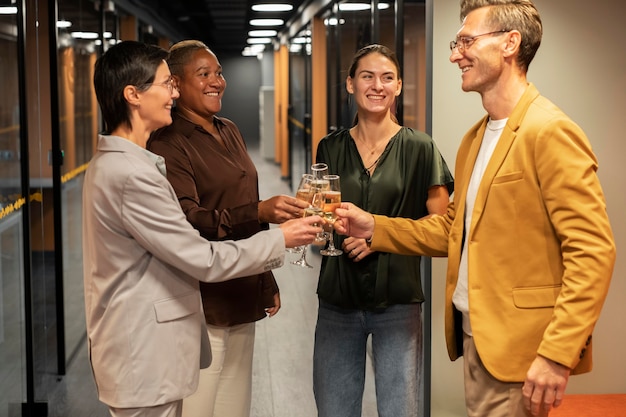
529	244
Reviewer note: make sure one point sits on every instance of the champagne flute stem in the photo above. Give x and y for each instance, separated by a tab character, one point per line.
331	241
302	260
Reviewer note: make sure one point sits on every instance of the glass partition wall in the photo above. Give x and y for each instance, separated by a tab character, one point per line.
48	129
78	45
350	25
300	104
12	375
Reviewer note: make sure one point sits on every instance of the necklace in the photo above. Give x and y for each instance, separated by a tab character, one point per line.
372	151
367	169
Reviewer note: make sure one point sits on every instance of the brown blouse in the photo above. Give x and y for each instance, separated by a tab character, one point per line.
217	187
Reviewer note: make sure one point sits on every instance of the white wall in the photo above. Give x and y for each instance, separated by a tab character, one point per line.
581	66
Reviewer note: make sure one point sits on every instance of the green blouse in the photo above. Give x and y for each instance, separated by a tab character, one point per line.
398	187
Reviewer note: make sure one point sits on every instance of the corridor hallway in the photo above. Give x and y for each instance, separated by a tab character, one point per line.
282	373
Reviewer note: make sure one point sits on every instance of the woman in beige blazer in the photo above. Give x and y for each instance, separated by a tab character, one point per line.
142	259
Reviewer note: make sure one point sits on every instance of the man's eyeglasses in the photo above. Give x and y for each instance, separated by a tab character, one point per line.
464	42
169	84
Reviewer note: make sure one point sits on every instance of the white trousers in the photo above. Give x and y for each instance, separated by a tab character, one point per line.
173	409
225	387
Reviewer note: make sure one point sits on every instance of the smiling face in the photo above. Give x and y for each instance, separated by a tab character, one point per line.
202	85
482	62
375	84
157	100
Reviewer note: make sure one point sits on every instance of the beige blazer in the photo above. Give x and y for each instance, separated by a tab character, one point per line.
142	263
541	250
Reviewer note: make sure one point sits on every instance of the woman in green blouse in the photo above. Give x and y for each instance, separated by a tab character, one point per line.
385	169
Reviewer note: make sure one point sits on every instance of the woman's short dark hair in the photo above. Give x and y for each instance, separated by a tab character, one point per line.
127	63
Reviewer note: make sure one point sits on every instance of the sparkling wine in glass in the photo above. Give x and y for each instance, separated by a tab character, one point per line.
332	200
319	183
305	193
315	209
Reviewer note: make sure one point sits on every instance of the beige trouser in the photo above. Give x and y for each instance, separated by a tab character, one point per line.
173	409
225	387
486	396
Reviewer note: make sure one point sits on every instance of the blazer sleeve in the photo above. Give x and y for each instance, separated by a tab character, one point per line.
574	200
153	217
425	237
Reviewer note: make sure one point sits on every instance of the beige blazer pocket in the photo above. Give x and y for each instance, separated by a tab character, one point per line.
536	297
176	308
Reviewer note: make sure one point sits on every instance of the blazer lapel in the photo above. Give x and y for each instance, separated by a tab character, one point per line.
501	151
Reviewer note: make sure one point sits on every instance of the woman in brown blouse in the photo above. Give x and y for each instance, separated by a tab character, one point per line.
217	187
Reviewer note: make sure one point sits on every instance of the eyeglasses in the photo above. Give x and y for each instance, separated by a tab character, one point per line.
169	84
464	42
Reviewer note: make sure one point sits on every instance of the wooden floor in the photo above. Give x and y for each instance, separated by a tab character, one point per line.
282	375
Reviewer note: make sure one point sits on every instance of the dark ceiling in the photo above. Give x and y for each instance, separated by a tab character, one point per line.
221	24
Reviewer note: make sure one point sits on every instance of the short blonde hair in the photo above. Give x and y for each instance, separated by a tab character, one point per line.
181	53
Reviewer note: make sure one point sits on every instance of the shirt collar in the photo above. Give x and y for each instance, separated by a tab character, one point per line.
186	127
158	160
110	143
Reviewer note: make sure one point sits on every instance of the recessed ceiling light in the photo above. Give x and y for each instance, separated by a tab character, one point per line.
267	22
334	22
63	24
266	32
253	41
275	7
357	7
8	10
84	35
253	50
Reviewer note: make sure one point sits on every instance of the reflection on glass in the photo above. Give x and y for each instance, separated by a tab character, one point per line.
11	236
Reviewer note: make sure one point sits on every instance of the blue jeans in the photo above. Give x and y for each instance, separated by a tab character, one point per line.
340	355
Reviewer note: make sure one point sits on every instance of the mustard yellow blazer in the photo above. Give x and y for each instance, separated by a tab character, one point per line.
541	250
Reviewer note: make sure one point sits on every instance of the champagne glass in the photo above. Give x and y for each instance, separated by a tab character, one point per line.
319	170
319	183
305	193
318	205
316	208
332	200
